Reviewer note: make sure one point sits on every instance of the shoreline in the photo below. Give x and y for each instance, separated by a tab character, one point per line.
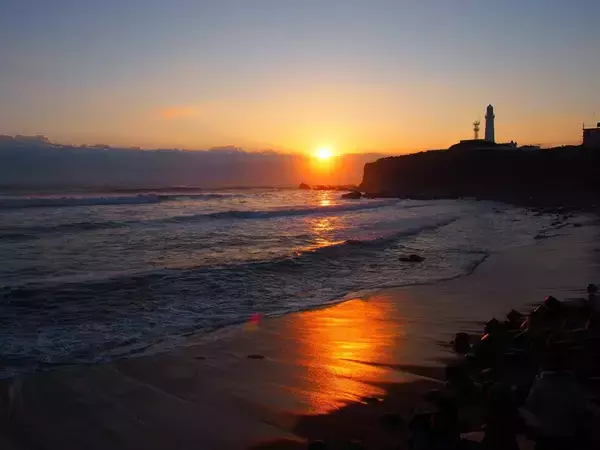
373	291
306	375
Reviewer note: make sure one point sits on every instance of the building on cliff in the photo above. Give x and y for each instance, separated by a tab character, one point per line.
489	143
591	137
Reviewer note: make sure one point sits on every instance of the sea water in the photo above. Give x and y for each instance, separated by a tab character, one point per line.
89	277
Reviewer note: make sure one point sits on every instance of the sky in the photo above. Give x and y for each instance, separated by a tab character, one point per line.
388	76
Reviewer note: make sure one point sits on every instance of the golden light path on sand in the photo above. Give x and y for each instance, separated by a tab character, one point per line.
332	346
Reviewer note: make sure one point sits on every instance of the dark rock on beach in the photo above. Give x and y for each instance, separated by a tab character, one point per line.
317	445
461	343
412	258
391	421
372	400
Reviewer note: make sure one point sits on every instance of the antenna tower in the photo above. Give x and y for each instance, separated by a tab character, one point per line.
476	129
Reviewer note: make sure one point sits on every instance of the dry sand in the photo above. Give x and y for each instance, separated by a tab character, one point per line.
312	375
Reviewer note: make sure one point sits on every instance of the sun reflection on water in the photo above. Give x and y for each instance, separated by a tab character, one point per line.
323	230
325	198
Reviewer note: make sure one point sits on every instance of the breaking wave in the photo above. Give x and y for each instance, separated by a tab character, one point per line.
140	199
27	233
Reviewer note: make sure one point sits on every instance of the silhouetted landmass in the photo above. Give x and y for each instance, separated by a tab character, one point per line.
567	175
35	161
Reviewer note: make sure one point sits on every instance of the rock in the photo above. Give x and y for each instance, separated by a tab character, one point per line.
461	343
433	395
371	400
551	302
459	383
304	186
255	356
412	258
471	358
354	195
391	421
491	326
592	288
354	242
420	422
514	316
354	445
317	445
487	374
514	320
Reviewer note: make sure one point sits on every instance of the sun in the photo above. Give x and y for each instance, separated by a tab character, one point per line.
324	153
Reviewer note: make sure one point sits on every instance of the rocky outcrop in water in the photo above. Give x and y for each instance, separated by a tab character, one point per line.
354	195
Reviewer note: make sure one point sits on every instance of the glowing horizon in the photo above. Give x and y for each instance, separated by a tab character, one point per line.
385	77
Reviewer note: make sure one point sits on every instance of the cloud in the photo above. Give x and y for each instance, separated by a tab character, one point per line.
178	112
36	161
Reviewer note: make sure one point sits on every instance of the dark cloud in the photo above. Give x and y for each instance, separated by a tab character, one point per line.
35	161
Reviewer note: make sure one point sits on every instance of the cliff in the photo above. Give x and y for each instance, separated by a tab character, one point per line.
560	175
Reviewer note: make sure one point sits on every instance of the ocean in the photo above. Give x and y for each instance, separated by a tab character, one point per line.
90	277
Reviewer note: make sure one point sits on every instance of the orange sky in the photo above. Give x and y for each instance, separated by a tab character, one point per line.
379	76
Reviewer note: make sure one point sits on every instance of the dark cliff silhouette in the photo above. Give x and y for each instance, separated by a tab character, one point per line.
563	175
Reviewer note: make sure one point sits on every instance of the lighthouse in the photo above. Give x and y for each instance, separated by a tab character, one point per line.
489	124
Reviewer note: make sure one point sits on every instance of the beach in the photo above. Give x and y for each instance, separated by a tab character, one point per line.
330	373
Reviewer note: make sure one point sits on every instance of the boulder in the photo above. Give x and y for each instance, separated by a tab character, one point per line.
317	445
412	258
391	421
491	326
354	195
354	242
354	445
514	320
372	400
461	343
304	186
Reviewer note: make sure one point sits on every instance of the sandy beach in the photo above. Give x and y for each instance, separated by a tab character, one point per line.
329	373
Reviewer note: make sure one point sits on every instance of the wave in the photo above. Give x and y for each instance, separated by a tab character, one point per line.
193	189
270	213
140	199
28	233
17	234
41	202
16	237
334	252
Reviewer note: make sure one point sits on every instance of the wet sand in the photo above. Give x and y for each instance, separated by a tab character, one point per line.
310	375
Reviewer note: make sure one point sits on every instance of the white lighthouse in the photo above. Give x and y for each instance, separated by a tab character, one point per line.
489	124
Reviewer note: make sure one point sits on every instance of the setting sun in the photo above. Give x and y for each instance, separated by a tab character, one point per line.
324	153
